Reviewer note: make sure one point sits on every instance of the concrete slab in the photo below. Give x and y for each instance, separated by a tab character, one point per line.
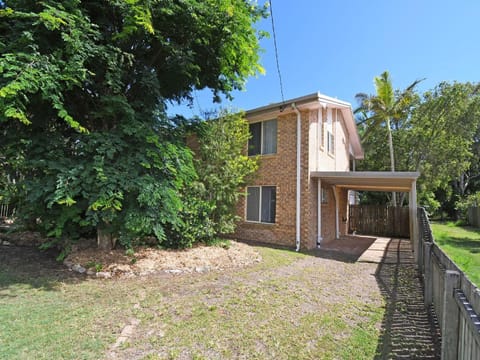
349	245
376	252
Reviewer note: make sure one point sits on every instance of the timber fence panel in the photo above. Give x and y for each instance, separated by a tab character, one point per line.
454	298
469	334
437	288
3	210
379	220
451	316
427	275
6	211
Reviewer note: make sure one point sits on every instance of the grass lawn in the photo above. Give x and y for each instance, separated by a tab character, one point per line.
462	245
289	306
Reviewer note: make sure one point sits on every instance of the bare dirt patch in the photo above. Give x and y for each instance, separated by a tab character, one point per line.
87	258
146	260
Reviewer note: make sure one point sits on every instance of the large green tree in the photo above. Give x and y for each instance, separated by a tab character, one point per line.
441	139
438	138
383	108
83	90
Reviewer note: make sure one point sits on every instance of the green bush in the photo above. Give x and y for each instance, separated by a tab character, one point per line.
472	200
222	170
84	88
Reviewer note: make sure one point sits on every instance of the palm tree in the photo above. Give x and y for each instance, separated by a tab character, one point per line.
386	105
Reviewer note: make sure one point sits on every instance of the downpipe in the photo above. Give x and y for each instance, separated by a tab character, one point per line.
298	195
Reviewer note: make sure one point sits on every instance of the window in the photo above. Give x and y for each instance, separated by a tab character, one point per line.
324	196
330	137
330	143
320	128
261	204
263	138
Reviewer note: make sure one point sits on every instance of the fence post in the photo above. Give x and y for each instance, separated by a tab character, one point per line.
450	323
428	281
420	240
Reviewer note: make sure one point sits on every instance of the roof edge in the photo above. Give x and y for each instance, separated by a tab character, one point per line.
302	100
413	175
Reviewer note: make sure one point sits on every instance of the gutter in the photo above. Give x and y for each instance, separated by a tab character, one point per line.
299	158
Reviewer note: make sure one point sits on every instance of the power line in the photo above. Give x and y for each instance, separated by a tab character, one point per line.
276	51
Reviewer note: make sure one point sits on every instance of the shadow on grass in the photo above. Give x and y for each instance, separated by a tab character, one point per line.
336	255
472	246
408	330
344	250
32	267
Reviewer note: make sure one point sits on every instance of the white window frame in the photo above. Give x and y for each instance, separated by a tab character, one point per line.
262	132
330	143
330	133
260	205
320	128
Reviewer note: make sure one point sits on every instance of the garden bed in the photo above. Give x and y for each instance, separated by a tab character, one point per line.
148	260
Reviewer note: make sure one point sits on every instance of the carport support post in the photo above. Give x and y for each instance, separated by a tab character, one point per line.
335	193
413	220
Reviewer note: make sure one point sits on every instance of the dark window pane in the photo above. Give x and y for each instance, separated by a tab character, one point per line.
270	137
253	207
324	196
254	143
268	204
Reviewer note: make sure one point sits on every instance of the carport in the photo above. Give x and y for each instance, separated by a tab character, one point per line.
369	181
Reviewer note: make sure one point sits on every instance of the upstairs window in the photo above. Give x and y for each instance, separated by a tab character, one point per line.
330	143
263	138
320	128
261	204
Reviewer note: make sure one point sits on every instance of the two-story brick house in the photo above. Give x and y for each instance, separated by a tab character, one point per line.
306	148
295	139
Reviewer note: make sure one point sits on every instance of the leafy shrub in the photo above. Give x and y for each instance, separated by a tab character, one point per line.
223	167
472	200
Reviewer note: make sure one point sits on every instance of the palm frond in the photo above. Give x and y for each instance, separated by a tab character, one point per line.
413	85
384	89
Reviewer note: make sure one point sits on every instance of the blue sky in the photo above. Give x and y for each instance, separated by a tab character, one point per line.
337	47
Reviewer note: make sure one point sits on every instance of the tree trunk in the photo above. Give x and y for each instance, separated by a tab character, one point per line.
392	158
105	239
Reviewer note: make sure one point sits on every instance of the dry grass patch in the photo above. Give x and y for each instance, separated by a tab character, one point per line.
289	306
147	260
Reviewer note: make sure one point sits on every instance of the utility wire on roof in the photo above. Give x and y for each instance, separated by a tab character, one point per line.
276	51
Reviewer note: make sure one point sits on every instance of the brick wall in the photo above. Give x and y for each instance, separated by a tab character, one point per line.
280	170
277	170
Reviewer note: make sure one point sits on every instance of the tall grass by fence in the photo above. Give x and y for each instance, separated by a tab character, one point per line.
452	296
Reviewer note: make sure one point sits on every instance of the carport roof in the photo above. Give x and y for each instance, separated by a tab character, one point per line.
369	180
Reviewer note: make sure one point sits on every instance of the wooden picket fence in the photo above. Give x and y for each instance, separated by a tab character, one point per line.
6	211
380	220
454	299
